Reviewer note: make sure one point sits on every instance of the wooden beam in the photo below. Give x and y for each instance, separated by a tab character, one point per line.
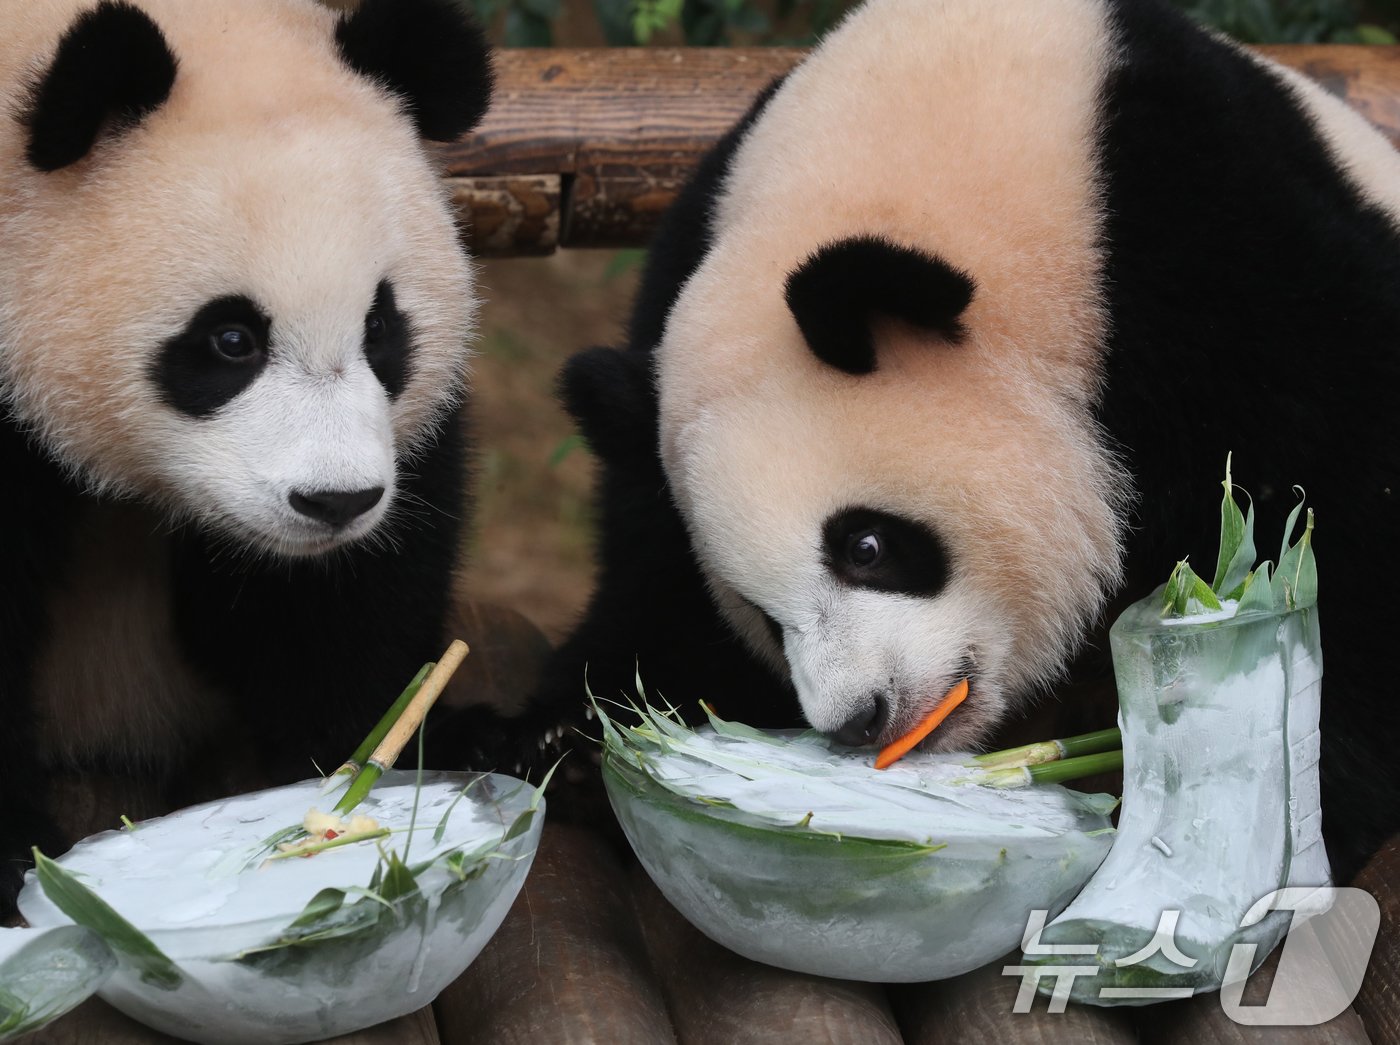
586	147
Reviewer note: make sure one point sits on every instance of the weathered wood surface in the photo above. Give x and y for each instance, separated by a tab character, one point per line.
1202	1021
1379	1001
97	1023
977	1009
568	966
586	147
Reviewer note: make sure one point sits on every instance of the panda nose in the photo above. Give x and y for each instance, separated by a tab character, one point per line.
335	507
865	725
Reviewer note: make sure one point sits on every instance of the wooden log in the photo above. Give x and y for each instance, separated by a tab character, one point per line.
568	966
96	1023
1378	1004
976	1009
586	147
1202	1021
715	995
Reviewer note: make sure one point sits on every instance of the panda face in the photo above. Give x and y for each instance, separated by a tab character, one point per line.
251	309
877	388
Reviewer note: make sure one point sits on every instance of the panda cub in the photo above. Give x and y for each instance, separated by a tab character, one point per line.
937	361
234	324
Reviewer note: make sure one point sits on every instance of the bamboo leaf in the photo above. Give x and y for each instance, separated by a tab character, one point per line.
1199	595
519	826
1299	570
1290	525
1232	531
324	903
1296	565
1229	585
1174	596
398	879
1258	594
90	911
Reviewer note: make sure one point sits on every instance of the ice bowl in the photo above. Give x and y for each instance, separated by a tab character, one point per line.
46	972
798	853
290	950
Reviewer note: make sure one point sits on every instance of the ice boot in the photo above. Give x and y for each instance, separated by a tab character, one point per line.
1221	804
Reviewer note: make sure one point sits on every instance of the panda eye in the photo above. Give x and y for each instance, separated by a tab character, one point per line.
864	548
234	343
375	328
880	551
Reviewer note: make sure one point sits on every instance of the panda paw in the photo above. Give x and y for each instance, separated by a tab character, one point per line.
526	746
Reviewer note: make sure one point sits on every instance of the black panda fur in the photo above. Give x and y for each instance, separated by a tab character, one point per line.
1251	295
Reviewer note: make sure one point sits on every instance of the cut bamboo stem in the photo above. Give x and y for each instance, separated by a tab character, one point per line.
356	762
399	734
1051	750
1057	772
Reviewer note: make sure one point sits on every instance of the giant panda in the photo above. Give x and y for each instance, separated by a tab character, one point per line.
937	361
235	317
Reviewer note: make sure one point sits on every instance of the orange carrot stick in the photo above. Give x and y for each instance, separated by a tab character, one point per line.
905	744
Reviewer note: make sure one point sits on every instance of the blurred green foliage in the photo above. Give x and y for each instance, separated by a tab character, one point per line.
707	23
1299	21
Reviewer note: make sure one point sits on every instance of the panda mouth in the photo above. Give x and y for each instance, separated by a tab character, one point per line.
966	669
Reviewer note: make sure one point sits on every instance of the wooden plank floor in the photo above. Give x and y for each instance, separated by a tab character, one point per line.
591	952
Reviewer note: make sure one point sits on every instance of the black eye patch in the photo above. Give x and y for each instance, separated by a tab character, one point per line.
387	340
221	351
868	548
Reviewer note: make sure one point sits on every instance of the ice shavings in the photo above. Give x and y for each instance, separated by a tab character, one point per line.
926	798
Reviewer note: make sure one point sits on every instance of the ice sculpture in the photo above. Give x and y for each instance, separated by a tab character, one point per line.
213	948
798	853
1219	691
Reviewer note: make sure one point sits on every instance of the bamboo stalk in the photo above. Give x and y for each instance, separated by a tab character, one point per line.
388	750
1057	772
356	761
1045	751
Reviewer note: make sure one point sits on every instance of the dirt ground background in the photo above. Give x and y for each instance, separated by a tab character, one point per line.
531	545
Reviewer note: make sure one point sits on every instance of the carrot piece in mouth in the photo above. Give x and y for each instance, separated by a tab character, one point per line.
892	753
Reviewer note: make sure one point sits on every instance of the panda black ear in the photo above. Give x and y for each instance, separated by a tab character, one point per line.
429	52
844	285
112	69
609	392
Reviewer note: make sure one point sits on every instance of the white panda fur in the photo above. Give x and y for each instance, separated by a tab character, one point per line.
1167	250
164	590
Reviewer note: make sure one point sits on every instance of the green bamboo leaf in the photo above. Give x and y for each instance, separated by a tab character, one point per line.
1297	573
441	829
1236	554
90	911
1200	596
520	825
1291	524
398	879
1292	568
324	903
1257	595
1174	596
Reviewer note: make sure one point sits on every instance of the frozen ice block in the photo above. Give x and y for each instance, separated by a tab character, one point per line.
1221	806
798	853
252	962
